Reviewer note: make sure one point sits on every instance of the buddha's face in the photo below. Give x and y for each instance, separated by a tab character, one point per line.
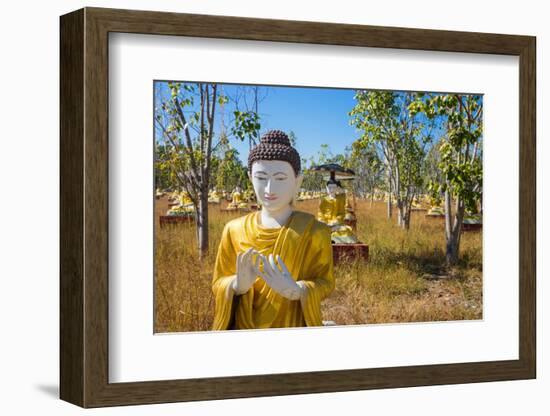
275	183
332	189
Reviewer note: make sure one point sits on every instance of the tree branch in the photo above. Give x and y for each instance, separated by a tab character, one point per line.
189	142
174	144
210	133
201	134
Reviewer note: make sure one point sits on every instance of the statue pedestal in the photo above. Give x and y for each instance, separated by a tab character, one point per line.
435	217
176	219
472	227
466	226
234	210
341	252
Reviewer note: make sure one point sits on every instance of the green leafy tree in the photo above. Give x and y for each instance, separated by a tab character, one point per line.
231	172
434	176
368	168
247	125
247	101
313	180
324	155
185	117
163	179
400	139
460	158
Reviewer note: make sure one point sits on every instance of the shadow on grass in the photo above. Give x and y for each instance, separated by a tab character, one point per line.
432	263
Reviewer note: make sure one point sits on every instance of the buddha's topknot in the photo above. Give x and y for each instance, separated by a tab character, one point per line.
275	145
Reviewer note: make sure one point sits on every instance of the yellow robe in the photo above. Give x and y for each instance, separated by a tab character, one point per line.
236	197
303	244
332	210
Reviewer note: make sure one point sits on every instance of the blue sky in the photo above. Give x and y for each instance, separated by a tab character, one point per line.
315	115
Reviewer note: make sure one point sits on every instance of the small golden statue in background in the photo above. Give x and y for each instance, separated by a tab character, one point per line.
214	197
237	201
335	208
184	205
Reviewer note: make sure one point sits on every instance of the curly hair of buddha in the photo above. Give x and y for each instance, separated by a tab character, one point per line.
275	145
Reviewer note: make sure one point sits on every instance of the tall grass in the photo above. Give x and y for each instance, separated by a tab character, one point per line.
405	279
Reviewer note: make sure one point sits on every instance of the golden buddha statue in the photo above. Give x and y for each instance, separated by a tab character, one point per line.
214	197
273	267
236	196
237	200
185	199
332	211
184	205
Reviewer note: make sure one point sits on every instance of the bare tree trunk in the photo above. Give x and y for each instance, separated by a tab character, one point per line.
389	194
389	207
447	214
398	197
202	223
403	215
406	217
453	229
400	213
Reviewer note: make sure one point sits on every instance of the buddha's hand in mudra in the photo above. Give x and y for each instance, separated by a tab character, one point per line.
275	273
247	263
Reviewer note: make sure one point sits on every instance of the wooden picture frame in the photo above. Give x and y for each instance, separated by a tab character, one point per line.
84	207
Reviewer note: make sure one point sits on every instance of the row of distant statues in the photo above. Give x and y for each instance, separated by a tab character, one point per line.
335	206
183	205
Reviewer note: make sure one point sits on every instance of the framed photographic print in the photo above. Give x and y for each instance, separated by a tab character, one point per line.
255	207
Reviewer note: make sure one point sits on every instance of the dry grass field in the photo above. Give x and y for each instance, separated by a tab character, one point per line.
404	280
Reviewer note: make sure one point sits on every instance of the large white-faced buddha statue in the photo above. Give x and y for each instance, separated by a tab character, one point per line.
273	267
